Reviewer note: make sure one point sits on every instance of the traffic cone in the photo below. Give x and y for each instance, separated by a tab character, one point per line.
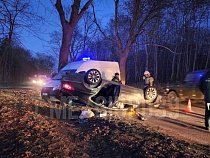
189	109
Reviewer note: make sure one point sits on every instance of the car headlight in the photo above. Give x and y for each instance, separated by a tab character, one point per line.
40	81
58	87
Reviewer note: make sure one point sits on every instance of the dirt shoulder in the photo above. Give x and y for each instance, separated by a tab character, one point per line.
30	127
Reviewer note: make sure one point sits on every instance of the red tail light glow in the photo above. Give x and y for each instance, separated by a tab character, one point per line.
68	86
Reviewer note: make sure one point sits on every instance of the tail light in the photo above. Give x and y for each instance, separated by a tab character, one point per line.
68	87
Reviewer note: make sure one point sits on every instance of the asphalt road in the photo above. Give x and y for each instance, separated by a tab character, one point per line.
172	119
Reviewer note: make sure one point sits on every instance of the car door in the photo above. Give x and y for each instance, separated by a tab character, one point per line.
193	91
180	88
190	91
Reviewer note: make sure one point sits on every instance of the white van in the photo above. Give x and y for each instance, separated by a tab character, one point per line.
106	68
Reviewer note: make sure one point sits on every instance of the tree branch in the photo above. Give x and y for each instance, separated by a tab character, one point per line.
163	47
117	26
98	26
59	8
85	8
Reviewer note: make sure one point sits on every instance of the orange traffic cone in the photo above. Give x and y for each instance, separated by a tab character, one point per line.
189	109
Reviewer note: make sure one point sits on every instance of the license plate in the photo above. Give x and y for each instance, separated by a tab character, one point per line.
44	93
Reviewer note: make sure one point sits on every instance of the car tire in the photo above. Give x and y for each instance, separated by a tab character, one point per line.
101	100
172	96
93	77
150	93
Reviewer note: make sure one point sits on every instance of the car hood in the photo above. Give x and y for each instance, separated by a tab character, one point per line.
52	83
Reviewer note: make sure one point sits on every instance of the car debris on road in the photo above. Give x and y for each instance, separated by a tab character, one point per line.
140	116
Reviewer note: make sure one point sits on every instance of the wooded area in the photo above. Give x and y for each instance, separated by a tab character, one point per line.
173	41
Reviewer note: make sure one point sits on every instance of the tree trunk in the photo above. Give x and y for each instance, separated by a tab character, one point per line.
147	55
64	50
208	56
173	64
123	59
172	67
156	61
195	56
68	27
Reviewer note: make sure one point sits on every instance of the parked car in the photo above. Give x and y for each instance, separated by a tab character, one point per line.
89	88
188	89
39	80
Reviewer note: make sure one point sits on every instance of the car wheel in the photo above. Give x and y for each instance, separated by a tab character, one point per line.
93	77
101	100
150	93
172	96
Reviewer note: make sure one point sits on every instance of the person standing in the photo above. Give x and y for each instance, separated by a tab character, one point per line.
148	79
204	86
116	78
115	90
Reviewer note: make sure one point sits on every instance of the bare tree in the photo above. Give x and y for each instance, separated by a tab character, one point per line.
15	14
55	42
81	39
68	26
82	36
139	14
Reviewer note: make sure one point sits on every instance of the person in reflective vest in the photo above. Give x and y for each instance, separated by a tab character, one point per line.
148	79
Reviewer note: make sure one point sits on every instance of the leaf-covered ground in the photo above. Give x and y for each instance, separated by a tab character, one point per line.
30	127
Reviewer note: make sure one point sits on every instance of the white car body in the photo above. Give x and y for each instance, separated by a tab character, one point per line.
106	68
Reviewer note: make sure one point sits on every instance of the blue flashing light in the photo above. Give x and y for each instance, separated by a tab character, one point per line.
86	58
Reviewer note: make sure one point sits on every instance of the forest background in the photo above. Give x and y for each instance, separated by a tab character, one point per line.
172	43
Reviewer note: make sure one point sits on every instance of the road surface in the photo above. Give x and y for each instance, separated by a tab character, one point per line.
172	119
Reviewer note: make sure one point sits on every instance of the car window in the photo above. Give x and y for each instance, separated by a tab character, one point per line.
192	84
82	72
59	75
193	77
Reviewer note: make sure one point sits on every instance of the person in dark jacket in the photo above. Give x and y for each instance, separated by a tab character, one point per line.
115	90
204	86
116	78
